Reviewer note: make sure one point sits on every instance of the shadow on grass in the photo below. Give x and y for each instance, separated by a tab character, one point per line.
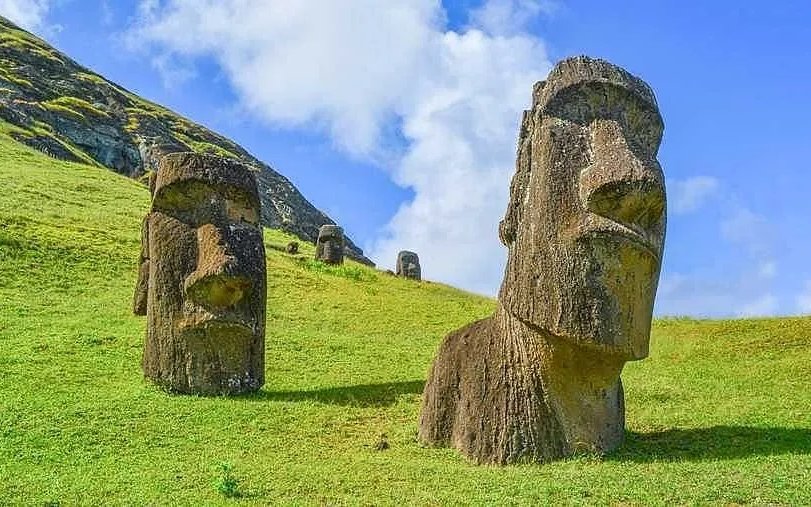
716	442
366	395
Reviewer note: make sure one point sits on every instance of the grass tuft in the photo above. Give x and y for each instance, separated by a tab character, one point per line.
225	482
347	270
77	105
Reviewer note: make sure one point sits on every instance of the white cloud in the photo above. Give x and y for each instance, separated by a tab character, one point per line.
173	73
106	13
804	299
353	69
743	289
760	307
346	67
767	270
746	295
506	17
748	229
29	14
690	194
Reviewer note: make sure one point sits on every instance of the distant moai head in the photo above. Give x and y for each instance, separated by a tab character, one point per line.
408	265
204	277
292	248
585	225
330	245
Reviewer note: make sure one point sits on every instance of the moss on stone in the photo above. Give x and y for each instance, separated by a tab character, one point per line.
22	41
64	111
7	75
76	104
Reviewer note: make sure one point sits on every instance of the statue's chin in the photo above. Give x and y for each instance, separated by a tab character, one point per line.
618	334
628	344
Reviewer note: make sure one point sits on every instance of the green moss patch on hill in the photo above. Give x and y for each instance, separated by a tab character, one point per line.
718	414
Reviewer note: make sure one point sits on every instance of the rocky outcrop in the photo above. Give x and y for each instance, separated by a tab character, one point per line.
69	112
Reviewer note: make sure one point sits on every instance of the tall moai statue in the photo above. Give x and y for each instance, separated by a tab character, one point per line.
202	280
408	265
329	247
585	226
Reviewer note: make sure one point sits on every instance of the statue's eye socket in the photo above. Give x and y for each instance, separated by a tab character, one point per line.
242	212
196	202
184	198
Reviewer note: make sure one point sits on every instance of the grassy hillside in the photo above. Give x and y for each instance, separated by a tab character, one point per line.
52	103
718	414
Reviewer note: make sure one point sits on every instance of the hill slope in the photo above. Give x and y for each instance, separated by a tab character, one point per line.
718	414
74	114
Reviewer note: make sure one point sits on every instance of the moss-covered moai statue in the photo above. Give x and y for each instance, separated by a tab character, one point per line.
585	226
408	265
202	282
329	247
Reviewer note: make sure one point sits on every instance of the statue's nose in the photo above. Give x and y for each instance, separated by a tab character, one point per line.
222	277
620	184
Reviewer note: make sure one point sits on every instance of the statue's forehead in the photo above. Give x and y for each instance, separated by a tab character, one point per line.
330	231
583	72
588	101
583	88
182	169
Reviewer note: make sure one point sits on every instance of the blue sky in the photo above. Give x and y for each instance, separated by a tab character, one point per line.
399	118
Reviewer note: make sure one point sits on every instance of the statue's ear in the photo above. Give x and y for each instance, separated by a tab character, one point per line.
506	231
153	177
518	187
142	284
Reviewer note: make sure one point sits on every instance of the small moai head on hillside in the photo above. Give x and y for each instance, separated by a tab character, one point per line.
292	248
408	265
585	224
203	274
329	247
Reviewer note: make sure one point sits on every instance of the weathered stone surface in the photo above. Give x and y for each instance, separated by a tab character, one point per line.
408	265
330	245
202	281
71	113
585	226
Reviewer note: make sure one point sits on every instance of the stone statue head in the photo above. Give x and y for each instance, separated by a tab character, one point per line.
585	225
203	271
408	265
329	247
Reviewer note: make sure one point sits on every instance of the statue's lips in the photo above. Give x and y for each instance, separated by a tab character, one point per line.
618	232
195	323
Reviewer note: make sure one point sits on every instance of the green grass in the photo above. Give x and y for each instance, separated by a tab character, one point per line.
93	79
719	414
39	129
7	74
22	41
64	111
77	105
